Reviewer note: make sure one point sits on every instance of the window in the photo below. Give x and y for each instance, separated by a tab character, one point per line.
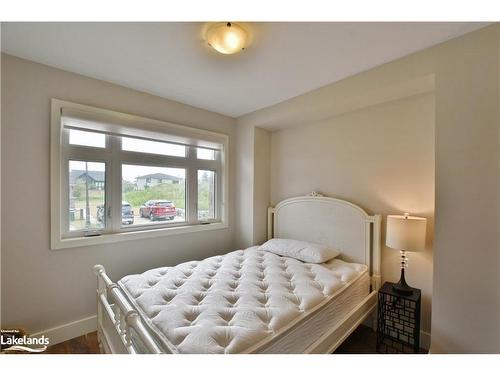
87	197
83	138
153	147
205	154
117	177
155	195
206	195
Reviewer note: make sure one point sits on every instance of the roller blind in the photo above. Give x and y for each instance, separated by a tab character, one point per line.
116	123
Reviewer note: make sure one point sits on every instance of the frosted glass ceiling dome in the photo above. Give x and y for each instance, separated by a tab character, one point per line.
226	38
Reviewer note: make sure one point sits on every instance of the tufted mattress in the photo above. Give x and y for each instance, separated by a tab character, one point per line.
247	301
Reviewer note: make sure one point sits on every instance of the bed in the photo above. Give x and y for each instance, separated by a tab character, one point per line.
252	301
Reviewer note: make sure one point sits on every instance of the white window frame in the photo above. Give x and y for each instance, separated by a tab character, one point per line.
114	157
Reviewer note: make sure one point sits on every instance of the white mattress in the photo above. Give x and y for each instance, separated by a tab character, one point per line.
311	327
246	301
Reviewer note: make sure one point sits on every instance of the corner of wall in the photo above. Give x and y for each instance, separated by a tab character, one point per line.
262	183
252	161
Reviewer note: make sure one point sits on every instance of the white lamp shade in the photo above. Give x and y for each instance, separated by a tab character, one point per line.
406	232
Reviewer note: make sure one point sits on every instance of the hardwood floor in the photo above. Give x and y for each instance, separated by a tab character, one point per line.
86	344
361	341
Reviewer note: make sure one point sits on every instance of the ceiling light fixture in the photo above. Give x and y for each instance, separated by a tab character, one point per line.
226	38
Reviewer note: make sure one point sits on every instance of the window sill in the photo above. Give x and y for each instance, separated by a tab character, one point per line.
57	243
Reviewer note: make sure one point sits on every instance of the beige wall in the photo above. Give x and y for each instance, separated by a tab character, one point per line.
252	182
466	308
244	186
42	288
262	143
466	258
381	158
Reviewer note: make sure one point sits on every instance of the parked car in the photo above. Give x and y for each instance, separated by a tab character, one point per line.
127	213
157	209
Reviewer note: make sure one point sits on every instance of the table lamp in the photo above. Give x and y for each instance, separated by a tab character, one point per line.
405	233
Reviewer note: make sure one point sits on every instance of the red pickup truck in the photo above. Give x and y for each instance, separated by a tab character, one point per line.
158	210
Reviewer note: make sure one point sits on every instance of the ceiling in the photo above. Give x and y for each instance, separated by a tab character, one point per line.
171	60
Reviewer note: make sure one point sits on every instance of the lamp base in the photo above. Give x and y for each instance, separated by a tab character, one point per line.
403	290
402	287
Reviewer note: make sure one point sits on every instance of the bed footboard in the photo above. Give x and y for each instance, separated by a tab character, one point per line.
117	321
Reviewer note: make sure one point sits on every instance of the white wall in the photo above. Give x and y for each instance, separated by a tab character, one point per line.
466	309
1	178
261	194
252	184
42	288
244	170
466	302
381	158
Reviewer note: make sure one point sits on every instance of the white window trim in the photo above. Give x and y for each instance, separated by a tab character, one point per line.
58	241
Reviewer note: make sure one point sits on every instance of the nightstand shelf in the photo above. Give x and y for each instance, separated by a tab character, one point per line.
398	327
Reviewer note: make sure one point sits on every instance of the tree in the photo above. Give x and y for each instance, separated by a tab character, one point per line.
79	189
127	186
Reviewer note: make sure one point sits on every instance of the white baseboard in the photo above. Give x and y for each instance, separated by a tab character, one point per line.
425	340
70	330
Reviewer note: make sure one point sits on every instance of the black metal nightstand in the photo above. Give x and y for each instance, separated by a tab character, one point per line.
398	327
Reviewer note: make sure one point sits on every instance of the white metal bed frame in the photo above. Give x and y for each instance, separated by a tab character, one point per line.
341	224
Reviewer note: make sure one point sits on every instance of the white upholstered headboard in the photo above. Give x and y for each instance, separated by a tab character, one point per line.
330	221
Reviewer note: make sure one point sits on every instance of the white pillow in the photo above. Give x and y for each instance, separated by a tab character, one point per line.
304	251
